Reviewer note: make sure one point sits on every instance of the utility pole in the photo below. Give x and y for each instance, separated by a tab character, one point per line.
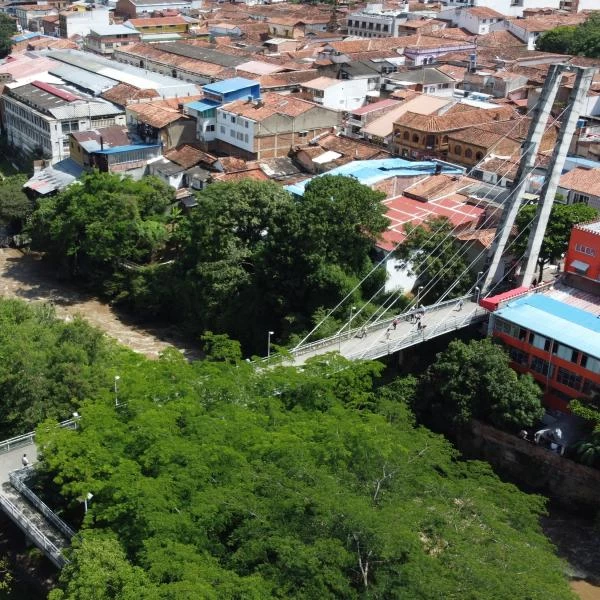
578	94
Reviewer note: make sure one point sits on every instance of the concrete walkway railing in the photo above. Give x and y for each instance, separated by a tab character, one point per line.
27	439
17	480
42	541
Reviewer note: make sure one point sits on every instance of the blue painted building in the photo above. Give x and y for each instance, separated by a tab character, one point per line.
215	95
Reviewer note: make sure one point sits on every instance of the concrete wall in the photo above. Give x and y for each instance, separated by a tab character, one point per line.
534	467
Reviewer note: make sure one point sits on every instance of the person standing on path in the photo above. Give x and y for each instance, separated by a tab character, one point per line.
460	305
395	324
25	460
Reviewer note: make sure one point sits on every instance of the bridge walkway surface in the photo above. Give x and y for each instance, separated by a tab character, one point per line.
39	523
380	339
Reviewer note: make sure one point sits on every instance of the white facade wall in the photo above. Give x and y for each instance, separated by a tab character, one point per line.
80	23
509	8
348	94
235	130
472	23
30	129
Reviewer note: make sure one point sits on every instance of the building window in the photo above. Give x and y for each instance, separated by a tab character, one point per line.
569	378
211	128
541	366
415	138
522	334
232	133
302	133
246	138
518	356
233	118
468	153
578	198
222	128
405	135
457	150
479	155
246	124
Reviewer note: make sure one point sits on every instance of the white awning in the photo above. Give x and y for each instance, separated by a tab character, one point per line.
580	265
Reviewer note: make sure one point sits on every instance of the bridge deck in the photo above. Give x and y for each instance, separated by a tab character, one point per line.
381	339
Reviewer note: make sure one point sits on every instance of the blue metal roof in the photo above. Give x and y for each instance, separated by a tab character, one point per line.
369	172
202	105
118	149
562	322
229	85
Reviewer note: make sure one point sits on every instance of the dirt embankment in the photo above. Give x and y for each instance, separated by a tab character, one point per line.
25	276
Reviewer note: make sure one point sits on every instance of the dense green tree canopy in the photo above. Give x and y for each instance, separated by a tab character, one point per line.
475	380
15	206
248	259
218	481
558	231
436	259
8	27
582	40
93	225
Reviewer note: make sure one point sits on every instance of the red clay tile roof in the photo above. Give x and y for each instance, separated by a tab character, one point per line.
271	103
582	180
452	121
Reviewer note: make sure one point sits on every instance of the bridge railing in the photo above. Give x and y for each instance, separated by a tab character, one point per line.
377	326
17	480
27	439
382	347
42	541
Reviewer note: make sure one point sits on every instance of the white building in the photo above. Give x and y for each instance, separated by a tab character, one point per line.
374	21
476	20
81	22
40	116
337	94
508	8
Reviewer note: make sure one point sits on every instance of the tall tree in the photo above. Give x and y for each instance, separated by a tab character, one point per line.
15	206
435	258
556	239
8	27
475	380
224	482
94	225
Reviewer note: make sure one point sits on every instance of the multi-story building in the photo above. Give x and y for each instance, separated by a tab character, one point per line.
156	28
80	22
337	94
40	116
476	20
583	255
271	126
216	94
374	21
418	136
29	16
554	341
130	9
105	39
509	8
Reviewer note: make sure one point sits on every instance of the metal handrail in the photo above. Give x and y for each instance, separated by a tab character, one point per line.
52	551
17	480
27	439
373	327
377	350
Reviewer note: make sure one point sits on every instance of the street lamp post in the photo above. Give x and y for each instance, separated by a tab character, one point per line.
478	290
117	390
352	309
419	295
269	334
87	497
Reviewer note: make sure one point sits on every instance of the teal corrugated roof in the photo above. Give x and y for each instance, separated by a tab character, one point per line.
370	172
556	320
229	85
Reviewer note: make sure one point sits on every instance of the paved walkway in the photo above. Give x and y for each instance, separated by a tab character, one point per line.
382	339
